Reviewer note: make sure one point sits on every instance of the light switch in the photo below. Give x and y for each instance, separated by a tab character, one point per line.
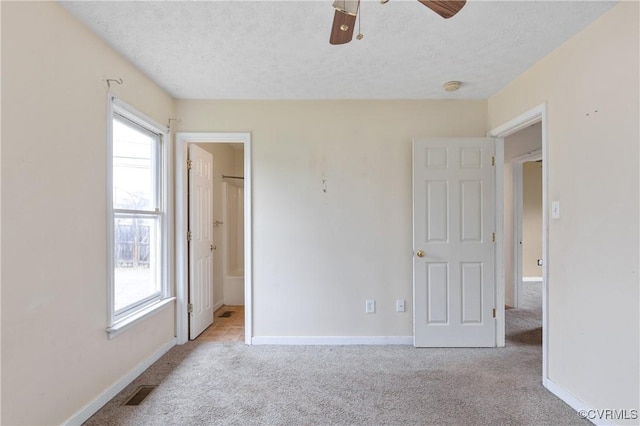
370	306
555	210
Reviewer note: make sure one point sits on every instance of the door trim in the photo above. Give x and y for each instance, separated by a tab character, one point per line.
182	269
532	116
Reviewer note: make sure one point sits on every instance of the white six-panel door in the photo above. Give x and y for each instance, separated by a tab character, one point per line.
454	248
200	240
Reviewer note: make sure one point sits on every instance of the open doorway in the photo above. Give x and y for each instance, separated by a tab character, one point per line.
522	211
528	259
532	121
226	222
523	236
230	224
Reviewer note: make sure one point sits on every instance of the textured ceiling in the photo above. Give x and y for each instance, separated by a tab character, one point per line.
280	49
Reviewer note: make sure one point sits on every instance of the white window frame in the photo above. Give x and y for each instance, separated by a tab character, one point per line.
118	323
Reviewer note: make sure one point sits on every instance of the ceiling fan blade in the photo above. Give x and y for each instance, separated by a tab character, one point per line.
444	8
342	29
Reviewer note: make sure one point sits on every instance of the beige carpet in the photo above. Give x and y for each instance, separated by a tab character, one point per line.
233	384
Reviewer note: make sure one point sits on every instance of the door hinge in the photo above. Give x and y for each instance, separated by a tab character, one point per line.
189	236
190	308
494	312
493	237
189	164
493	161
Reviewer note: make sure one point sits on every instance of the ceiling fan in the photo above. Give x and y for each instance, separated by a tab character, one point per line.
346	12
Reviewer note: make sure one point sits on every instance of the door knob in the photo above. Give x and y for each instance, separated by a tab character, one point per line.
420	253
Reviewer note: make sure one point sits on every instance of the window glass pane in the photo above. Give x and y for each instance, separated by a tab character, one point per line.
134	180
136	274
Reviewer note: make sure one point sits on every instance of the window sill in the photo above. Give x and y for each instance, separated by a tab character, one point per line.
138	317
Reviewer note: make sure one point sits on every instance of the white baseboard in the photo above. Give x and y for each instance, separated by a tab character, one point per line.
576	404
106	396
218	305
531	279
332	340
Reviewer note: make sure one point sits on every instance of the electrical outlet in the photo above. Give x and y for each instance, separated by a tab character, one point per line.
370	306
400	305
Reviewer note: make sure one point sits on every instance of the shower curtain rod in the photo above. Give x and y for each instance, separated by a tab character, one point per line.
232	177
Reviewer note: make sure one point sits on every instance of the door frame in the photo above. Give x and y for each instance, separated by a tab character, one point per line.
532	116
183	139
518	196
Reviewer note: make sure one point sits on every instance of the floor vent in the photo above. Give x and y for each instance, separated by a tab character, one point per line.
140	395
225	314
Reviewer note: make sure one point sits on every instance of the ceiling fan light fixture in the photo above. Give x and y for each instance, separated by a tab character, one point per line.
350	7
452	86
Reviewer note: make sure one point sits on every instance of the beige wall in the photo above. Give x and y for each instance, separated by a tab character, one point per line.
56	357
238	158
523	142
328	252
531	218
593	171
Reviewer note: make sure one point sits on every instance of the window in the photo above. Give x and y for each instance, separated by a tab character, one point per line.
137	245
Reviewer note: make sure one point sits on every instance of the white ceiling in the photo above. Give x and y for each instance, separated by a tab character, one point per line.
280	49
